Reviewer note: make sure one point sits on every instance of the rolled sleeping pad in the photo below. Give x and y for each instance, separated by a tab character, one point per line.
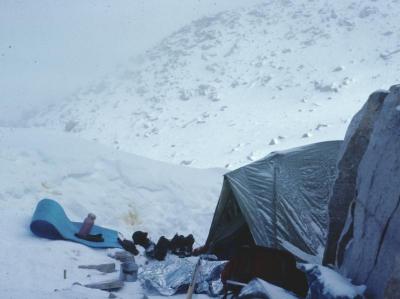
50	221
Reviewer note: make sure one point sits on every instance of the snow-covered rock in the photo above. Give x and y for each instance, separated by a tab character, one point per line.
344	189
324	283
368	187
307	135
370	239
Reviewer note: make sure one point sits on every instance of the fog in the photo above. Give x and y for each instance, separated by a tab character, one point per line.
48	49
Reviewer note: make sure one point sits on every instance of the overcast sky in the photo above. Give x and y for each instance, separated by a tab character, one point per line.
50	48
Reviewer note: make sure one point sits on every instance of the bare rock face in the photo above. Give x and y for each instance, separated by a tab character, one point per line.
392	289
370	241
343	191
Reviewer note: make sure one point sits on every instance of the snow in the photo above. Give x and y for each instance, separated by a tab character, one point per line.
219	85
334	284
52	48
243	75
125	192
259	286
338	285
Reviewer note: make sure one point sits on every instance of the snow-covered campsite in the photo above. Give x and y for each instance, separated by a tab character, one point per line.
156	116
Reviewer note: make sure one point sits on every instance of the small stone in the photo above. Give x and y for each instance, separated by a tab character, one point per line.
200	121
251	157
104	268
106	285
273	141
346	81
307	135
186	162
185	95
319	126
112	296
70	125
326	87
338	69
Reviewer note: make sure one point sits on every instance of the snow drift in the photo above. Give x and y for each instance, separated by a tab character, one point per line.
126	192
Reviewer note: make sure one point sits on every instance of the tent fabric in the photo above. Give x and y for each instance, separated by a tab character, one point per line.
283	198
50	221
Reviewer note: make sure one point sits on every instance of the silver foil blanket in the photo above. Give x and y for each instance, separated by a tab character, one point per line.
174	274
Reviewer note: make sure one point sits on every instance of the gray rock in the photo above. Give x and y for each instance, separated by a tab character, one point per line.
370	254
325	283
393	286
112	296
109	285
122	256
104	268
343	191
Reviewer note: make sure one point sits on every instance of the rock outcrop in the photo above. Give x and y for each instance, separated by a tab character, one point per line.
325	283
370	240
392	289
343	191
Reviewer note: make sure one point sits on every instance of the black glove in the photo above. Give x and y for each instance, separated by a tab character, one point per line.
161	249
128	246
91	238
140	238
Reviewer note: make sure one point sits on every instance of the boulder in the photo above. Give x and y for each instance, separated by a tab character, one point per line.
325	283
352	150
392	289
373	239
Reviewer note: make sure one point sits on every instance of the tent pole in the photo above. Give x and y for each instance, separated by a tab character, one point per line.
274	204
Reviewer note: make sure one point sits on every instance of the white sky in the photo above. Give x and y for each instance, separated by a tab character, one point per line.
50	48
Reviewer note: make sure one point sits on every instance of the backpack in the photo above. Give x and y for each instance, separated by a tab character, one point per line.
272	265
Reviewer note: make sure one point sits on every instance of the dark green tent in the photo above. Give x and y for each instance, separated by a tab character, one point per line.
280	201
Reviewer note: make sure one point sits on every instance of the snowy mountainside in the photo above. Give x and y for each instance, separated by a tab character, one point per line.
229	88
126	193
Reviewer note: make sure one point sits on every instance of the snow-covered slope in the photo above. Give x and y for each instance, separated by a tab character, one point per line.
126	193
48	49
231	87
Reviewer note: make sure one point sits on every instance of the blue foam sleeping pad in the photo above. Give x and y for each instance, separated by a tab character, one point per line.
50	221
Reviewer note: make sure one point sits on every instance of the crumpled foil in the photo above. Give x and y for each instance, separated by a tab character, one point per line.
174	274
